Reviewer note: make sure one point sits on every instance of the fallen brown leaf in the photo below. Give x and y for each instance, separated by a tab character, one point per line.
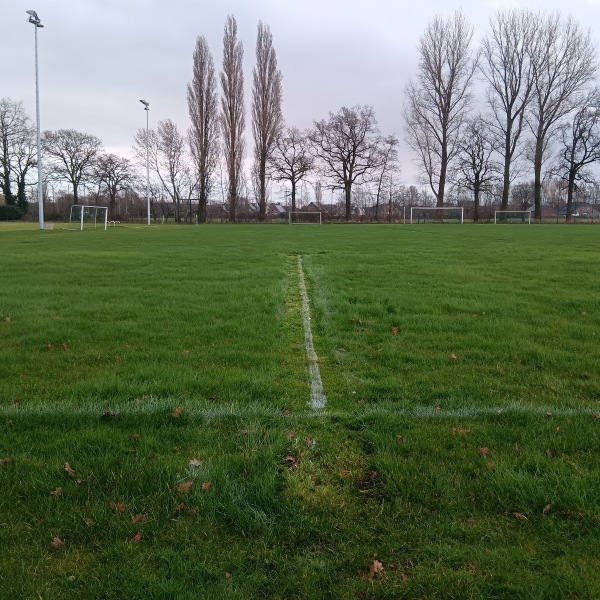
460	431
394	331
484	451
227	575
57	492
520	516
207	485
179	509
595	415
5	461
185	486
89	521
118	507
376	569
139	518
56	543
137	537
193	511
176	413
195	463
310	441
547	508
454	357
69	470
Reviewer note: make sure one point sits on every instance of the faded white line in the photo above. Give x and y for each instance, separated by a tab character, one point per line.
165	406
318	400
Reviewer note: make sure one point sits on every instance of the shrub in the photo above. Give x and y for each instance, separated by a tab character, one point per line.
10	213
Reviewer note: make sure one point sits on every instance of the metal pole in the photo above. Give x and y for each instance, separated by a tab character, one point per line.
39	139
147	166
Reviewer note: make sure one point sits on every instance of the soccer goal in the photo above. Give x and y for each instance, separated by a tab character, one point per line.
436	214
305	218
88	217
512	216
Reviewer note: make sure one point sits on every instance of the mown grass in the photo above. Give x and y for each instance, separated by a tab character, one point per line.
166	366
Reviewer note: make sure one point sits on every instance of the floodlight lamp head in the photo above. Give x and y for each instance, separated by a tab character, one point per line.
32	13
146	104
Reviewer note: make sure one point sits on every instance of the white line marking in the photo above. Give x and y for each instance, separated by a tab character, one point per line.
318	400
166	405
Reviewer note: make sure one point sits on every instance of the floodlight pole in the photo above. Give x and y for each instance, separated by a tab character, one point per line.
36	22
147	109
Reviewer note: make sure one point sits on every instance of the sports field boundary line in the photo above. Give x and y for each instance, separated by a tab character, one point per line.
166	406
318	400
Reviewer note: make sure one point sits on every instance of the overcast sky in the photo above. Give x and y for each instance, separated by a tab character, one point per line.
97	58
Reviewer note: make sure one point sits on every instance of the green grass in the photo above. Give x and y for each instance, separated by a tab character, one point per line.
458	446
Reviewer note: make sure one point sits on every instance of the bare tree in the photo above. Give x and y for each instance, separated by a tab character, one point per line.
232	110
507	69
114	174
347	146
166	148
291	159
72	156
388	148
475	167
17	151
563	60
579	146
267	118
437	103
204	132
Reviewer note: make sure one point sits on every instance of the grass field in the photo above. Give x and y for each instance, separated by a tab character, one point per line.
157	439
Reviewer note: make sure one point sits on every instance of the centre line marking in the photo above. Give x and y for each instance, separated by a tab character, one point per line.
318	400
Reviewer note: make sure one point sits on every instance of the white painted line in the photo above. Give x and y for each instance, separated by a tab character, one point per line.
318	400
166	405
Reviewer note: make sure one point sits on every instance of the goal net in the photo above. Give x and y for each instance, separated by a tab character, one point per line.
305	218
435	214
88	217
512	216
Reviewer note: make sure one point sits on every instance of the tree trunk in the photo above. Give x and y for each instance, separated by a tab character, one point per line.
570	190
348	193
537	169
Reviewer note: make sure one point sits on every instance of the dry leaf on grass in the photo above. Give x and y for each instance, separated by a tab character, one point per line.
484	451
5	461
547	508
118	507
207	485
376	569
194	462
56	543
520	516
185	486
137	537
56	492
176	413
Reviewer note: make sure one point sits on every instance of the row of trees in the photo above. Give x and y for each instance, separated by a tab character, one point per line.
539	73
540	108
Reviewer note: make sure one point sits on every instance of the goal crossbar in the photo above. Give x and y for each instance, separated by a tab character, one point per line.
458	209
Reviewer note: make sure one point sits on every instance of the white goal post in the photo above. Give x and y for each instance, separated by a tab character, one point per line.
522	215
83	216
305	218
438	213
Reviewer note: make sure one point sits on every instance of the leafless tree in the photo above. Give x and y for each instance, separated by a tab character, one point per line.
476	169
168	161
17	151
506	67
563	60
113	174
291	159
437	103
347	146
204	132
267	119
232	110
388	163
72	156
579	146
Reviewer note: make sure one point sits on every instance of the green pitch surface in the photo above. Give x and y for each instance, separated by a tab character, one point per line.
157	438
